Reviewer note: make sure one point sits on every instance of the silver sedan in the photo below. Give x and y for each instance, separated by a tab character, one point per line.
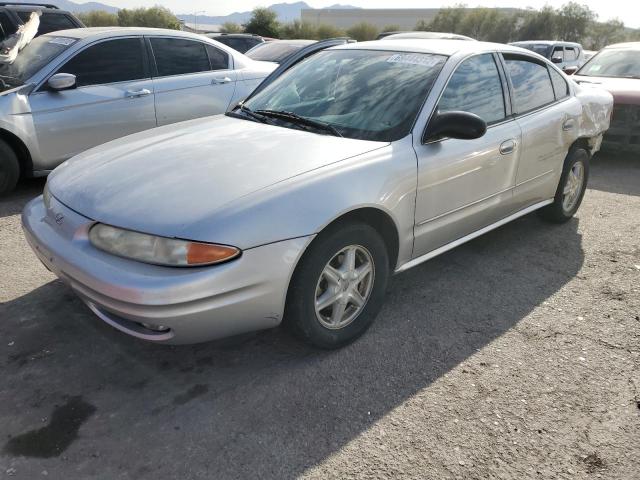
296	207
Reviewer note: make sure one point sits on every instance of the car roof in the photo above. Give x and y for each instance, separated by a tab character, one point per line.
108	32
435	46
291	42
629	45
545	42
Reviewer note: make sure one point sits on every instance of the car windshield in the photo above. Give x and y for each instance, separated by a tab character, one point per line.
613	63
274	51
362	94
32	58
539	48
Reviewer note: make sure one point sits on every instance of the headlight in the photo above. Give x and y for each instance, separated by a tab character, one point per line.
46	196
158	250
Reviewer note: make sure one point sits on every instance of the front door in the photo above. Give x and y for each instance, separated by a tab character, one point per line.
194	79
465	185
113	98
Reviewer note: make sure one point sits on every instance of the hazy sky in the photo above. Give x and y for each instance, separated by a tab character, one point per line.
606	9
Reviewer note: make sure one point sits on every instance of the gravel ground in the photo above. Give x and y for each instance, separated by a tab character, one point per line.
514	356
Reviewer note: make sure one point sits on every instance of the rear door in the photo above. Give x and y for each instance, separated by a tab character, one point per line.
549	119
193	79
113	98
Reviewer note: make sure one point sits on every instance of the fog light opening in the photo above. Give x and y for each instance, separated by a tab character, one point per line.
155	328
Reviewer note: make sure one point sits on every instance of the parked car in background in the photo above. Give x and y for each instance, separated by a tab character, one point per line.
426	36
277	50
296	206
72	90
240	42
617	69
12	15
568	56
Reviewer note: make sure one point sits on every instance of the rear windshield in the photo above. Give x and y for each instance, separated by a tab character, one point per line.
273	51
32	58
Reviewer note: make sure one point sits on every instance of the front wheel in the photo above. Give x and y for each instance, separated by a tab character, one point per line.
571	188
339	286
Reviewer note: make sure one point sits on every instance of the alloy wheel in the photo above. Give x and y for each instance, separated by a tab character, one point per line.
344	287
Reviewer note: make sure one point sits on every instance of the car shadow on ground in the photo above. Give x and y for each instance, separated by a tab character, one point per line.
14	202
78	393
616	172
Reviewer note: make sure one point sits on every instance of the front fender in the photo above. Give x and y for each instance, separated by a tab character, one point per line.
384	179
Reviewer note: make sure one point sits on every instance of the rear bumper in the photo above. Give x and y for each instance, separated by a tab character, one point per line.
191	304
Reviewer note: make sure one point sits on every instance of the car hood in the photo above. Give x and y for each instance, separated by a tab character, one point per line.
624	90
166	180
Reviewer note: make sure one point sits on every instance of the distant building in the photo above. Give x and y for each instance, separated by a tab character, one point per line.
405	18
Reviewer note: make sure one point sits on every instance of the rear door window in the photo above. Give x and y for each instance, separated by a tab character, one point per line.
532	87
570	54
475	87
218	59
112	61
176	56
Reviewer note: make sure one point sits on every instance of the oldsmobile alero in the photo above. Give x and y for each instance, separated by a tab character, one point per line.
359	162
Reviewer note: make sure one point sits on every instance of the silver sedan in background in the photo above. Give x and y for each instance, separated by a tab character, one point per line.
74	89
362	160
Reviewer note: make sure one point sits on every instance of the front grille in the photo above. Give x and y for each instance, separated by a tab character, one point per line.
625	125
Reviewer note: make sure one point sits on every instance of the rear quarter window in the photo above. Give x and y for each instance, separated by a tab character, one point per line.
560	85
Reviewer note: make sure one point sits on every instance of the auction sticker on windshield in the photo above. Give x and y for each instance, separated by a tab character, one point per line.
415	59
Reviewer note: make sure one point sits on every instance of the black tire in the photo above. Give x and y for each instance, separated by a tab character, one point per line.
9	169
556	212
300	312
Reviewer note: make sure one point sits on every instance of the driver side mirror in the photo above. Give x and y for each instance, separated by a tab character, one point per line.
62	81
460	125
556	59
570	70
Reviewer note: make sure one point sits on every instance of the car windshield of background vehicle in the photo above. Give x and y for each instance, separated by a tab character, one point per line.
613	63
363	94
32	58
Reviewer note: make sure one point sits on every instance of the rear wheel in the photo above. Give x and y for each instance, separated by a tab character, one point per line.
338	287
9	168
571	188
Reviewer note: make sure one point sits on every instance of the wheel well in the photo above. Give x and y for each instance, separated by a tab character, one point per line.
582	143
379	220
20	149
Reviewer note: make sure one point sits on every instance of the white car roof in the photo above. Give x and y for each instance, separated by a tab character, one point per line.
436	46
96	33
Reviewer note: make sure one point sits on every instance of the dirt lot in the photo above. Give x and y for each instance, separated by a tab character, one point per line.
515	356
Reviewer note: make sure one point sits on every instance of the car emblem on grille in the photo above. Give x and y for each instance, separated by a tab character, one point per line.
59	218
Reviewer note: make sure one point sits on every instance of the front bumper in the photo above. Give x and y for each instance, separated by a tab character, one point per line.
192	304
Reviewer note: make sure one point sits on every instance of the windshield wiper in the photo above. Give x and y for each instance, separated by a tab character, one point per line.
295	118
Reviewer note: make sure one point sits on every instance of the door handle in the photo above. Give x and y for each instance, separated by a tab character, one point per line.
507	147
568	125
138	93
220	80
